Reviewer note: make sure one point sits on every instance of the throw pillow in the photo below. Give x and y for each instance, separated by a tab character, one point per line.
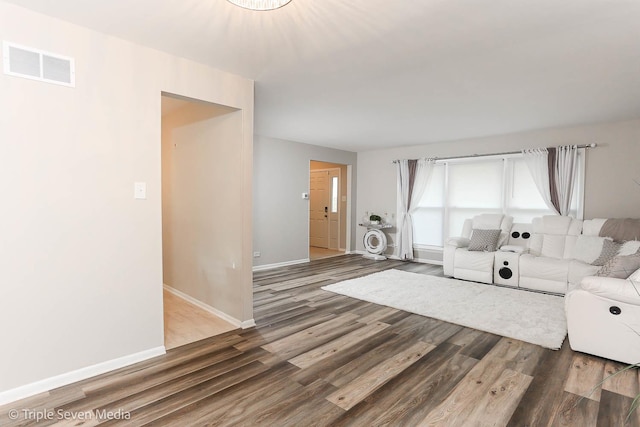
630	247
609	250
484	240
635	276
589	248
620	267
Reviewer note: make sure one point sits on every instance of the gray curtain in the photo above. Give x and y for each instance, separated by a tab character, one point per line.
554	170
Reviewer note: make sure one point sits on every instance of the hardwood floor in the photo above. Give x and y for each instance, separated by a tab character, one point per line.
321	359
185	322
320	253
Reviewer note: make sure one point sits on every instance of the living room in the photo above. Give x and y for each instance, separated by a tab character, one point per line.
83	253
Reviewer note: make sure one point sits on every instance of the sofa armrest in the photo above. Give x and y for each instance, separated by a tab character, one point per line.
622	290
458	242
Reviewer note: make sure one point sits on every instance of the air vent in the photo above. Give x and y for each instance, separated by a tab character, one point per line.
21	61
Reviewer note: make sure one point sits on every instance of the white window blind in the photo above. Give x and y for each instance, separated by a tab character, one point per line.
462	188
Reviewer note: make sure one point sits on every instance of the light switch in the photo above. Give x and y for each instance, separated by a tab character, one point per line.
140	190
305	196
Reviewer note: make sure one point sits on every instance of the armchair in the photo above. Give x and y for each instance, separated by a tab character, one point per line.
475	265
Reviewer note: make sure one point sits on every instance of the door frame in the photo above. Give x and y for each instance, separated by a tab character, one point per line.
348	208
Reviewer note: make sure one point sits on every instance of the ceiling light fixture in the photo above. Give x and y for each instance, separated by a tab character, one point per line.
260	4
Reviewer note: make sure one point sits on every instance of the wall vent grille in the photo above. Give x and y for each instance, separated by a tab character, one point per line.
34	64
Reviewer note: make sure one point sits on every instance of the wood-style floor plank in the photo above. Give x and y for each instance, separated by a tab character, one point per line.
317	358
585	376
354	392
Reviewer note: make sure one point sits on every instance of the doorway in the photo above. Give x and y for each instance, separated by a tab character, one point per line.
195	145
327	209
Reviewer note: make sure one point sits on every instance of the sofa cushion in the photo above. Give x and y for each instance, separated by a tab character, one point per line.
555	224
487	221
544	268
579	269
553	246
484	240
620	267
554	236
589	248
629	248
591	227
473	265
474	260
635	276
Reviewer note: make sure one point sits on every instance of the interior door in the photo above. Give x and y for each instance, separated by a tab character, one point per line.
319	199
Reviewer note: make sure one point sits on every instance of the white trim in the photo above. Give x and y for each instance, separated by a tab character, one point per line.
280	264
224	316
428	261
418	260
78	375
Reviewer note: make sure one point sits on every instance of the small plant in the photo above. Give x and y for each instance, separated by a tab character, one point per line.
375	218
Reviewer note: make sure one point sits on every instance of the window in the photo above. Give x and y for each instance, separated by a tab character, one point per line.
334	194
462	188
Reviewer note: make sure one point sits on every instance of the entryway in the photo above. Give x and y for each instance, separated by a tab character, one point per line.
327	209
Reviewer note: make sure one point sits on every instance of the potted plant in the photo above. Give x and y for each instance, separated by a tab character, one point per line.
375	219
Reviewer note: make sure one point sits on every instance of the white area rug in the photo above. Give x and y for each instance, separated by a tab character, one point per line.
527	316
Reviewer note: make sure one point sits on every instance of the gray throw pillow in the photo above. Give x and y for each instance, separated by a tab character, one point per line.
484	240
609	251
620	267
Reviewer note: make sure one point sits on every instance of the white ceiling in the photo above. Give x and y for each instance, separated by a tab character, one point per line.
364	74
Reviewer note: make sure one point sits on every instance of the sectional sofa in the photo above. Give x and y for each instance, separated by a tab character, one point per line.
552	254
594	263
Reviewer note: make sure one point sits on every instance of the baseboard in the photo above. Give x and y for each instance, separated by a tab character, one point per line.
77	375
235	322
428	261
360	252
279	264
397	258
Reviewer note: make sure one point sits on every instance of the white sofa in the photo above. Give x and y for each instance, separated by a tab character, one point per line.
478	266
548	261
565	256
546	265
603	318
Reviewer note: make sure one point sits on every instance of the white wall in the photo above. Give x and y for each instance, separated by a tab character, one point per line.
201	199
81	260
610	168
280	215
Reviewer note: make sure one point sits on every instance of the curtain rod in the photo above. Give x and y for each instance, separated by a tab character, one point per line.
592	145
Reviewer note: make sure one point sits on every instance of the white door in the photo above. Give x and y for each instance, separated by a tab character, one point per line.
319	199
